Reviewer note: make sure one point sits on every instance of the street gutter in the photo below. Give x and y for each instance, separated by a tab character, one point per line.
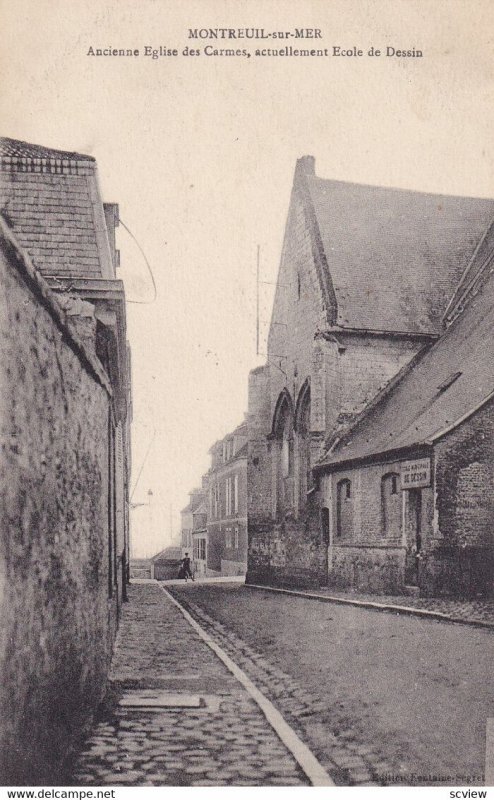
373	606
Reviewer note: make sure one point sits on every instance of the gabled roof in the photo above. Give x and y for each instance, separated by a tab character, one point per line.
51	200
451	379
394	256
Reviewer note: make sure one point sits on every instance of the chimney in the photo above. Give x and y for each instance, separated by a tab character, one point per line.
306	165
112	221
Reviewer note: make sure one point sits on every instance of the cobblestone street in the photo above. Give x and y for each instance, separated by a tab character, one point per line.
361	687
363	729
222	738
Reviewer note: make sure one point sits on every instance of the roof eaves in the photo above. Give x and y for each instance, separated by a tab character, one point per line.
464	417
383	456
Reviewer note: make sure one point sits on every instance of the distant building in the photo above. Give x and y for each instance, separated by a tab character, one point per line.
165	565
365	276
227	517
200	539
197	496
65	460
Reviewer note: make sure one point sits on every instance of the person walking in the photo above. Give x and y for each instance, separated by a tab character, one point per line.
186	568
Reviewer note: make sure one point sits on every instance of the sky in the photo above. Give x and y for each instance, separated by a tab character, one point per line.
199	152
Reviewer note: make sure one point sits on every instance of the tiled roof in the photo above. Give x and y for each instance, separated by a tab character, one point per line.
395	257
53	205
14	148
450	380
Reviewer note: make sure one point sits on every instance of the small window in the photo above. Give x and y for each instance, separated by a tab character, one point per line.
235	532
299	286
394	484
344	512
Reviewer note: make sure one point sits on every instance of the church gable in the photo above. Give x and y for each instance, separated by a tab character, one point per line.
304	301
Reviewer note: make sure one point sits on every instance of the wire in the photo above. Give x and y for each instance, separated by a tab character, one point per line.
141	302
142	465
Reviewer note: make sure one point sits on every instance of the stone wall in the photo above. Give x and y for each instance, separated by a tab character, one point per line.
345	371
58	623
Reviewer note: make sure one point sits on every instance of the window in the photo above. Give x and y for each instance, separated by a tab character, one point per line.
283	434
231	494
344	510
228	538
391	505
216	500
235	533
227	450
200	549
303	444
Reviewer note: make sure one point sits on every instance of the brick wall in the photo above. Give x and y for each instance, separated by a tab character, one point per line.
57	621
368	553
221	525
461	556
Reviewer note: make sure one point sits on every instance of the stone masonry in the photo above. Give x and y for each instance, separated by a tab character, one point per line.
57	621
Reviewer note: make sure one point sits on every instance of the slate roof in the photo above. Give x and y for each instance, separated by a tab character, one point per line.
395	256
50	198
448	381
168	554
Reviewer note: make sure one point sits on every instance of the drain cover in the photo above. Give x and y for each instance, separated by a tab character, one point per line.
153	699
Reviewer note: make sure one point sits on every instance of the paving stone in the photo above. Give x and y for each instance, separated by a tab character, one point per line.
191	747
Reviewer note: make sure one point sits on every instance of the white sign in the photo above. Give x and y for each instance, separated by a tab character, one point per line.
416	474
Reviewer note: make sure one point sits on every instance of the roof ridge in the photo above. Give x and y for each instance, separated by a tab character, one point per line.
18	148
402	189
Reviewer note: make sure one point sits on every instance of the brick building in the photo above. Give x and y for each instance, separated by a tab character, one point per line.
364	280
408	490
196	498
227	517
65	459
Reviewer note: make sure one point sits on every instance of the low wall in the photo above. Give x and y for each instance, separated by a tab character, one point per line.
233	567
368	569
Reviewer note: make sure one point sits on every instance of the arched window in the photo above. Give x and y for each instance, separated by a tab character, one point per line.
283	434
344	509
302	425
391	505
